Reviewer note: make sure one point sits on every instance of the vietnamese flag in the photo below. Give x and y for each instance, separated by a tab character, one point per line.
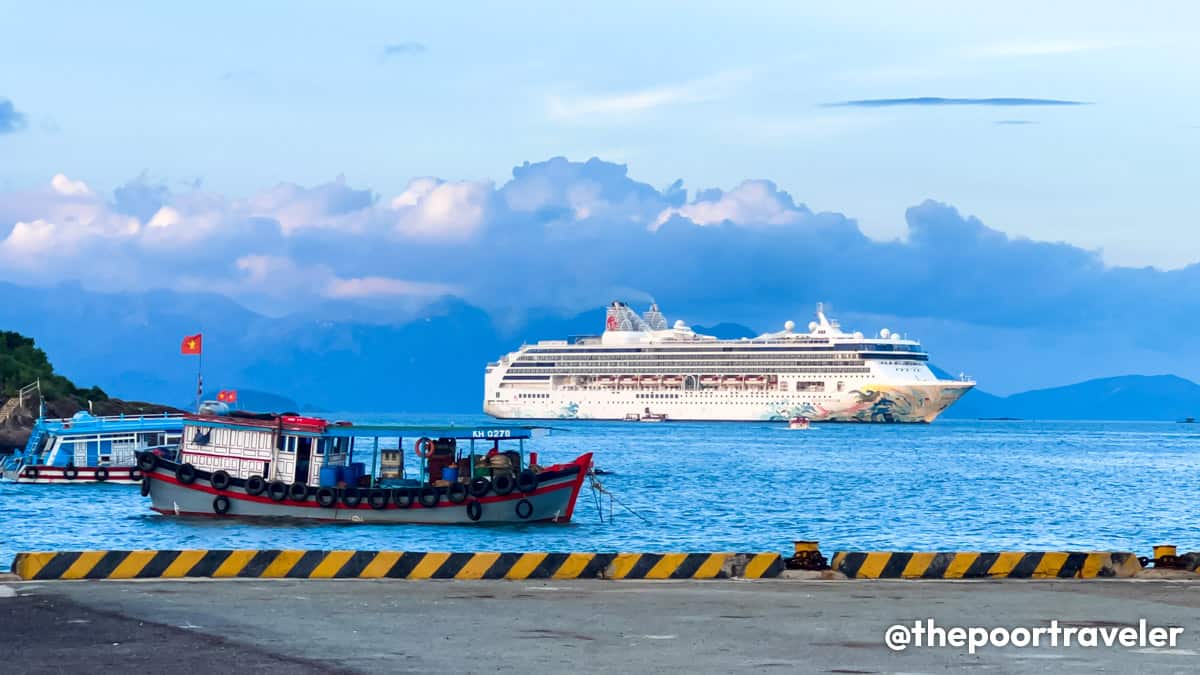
227	396
192	344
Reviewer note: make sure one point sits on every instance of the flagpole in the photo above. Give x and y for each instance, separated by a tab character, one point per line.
200	377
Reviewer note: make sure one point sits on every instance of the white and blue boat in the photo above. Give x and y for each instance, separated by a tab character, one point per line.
89	449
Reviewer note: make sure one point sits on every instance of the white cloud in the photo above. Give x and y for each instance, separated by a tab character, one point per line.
28	241
587	106
373	287
65	186
332	205
753	203
433	209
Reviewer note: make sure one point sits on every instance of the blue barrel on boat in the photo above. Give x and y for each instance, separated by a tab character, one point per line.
330	475
450	473
359	469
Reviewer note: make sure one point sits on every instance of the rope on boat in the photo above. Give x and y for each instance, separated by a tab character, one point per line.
597	487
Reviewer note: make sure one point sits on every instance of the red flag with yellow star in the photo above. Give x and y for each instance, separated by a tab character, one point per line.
192	344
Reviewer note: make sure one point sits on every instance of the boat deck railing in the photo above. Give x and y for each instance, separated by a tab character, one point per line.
107	422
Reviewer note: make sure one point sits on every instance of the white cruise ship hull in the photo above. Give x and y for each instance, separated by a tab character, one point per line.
879	403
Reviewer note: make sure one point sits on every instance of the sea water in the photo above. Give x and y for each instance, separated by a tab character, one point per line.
950	485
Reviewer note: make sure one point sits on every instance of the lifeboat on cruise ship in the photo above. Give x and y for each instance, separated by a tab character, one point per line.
756	380
605	379
672	381
649	380
627	379
709	379
731	381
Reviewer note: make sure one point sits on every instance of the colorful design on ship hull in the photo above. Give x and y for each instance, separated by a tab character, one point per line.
883	404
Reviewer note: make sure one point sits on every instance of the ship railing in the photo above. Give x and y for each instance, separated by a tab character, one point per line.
115	418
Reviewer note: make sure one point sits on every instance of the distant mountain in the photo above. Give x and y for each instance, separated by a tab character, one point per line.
128	344
250	399
1126	397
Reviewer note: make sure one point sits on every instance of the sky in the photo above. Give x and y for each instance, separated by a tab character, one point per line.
973	168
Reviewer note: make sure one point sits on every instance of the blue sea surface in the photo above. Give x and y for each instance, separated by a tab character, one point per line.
950	485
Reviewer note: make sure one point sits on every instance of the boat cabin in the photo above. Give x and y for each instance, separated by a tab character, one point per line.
312	451
86	440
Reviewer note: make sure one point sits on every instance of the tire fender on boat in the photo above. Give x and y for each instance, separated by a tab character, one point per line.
101	473
479	486
221	505
524	509
527	481
297	492
456	493
378	499
134	474
474	509
70	472
277	490
147	461
220	479
255	485
186	473
352	497
403	497
327	497
145	486
429	496
503	484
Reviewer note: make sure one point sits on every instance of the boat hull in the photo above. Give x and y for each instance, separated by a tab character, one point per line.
871	403
552	501
83	475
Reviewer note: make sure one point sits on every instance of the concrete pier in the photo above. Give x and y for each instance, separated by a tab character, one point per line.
576	626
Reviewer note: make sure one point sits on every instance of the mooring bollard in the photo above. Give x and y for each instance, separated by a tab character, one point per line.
806	556
1166	557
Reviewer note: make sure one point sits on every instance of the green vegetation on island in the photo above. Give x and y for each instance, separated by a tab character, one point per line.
23	363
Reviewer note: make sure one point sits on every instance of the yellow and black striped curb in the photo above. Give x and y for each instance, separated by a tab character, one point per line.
977	565
392	565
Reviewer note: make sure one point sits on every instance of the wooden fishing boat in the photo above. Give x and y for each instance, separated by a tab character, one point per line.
272	466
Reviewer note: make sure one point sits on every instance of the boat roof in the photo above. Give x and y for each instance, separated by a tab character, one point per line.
319	427
85	423
470	432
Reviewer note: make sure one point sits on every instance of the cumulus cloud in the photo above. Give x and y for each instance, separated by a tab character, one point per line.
330	205
939	101
65	186
11	119
753	203
434	209
568	236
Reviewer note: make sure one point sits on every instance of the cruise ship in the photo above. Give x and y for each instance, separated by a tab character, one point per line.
640	369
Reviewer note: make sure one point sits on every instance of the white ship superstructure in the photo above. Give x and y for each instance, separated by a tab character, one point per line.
641	369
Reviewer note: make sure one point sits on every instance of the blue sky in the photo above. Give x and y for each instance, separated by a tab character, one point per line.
1013	181
245	95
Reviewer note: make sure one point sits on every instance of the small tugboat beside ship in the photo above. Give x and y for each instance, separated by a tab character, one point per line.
288	466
